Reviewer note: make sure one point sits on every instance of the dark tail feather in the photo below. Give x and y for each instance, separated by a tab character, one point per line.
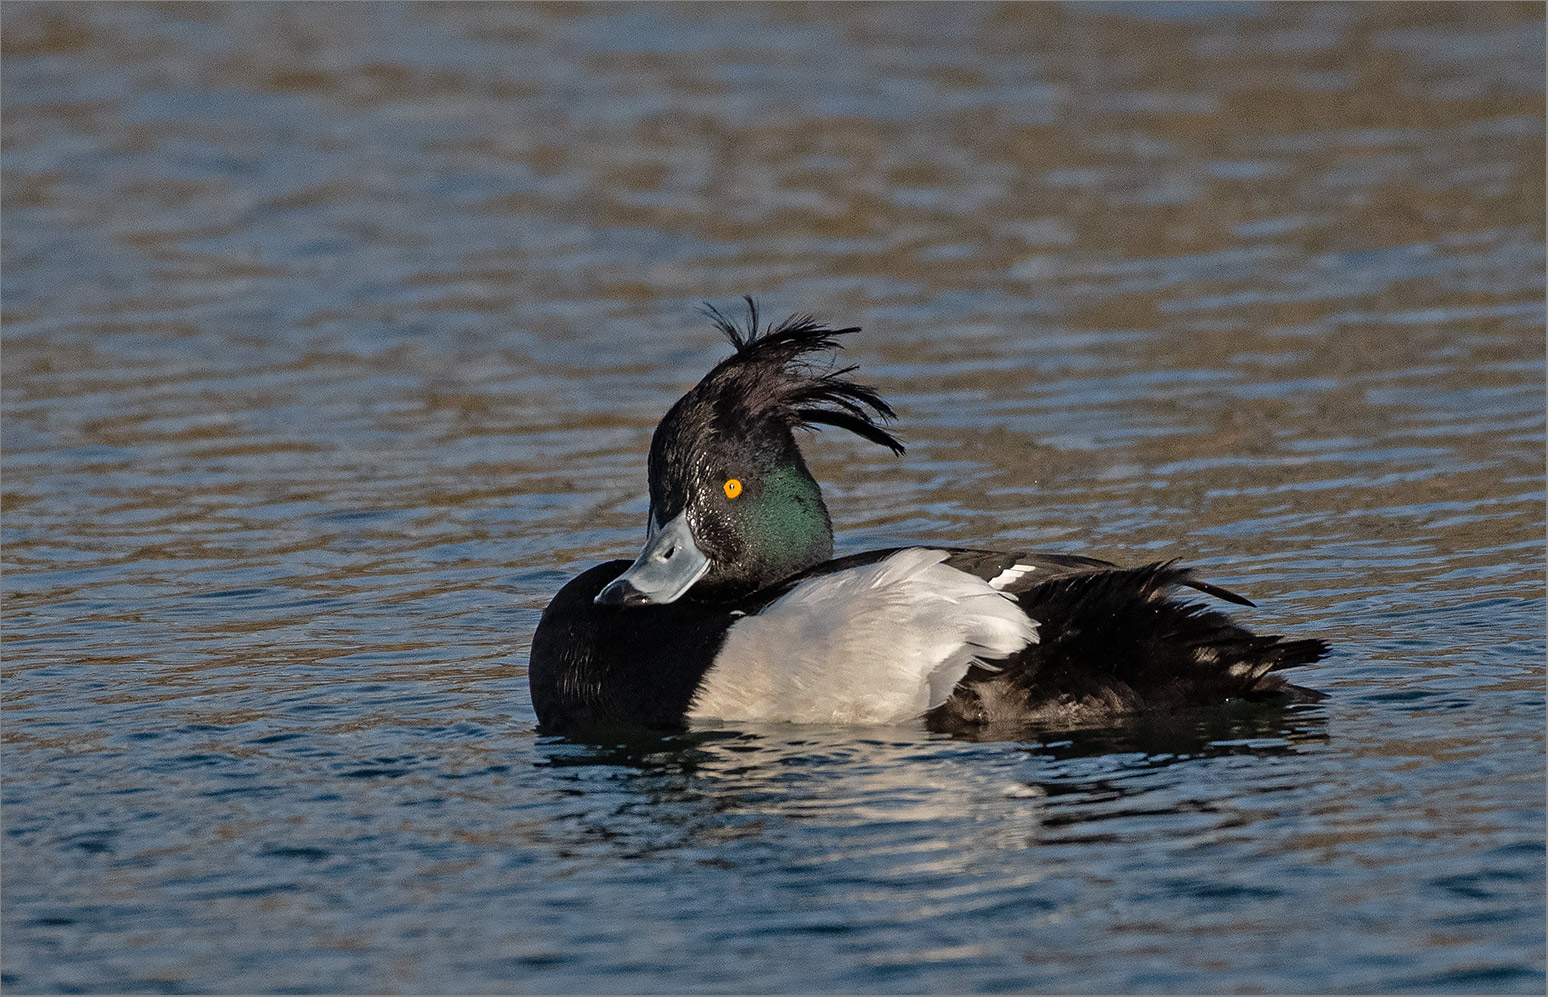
1119	641
1279	655
1218	592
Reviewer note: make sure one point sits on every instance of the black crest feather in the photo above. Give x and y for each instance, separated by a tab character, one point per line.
770	377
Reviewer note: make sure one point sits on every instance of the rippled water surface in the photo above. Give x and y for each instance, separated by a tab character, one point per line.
333	341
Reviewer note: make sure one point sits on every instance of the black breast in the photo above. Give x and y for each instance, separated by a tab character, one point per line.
599	667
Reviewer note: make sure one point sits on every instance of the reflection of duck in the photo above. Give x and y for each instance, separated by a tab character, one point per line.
734	610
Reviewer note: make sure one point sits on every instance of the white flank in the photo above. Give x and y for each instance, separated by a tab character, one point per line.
876	644
1009	575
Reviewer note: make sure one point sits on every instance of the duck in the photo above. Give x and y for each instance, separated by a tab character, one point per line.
736	611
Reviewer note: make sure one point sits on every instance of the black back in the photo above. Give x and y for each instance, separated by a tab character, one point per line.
1115	641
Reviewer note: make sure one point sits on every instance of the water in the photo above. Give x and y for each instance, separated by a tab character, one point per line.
333	340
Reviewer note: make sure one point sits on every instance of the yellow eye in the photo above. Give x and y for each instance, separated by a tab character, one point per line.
733	487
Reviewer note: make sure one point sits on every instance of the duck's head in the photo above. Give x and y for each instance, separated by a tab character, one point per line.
733	507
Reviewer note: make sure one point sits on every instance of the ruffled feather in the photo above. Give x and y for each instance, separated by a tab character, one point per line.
770	378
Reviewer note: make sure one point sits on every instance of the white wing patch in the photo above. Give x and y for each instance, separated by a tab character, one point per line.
1010	574
877	644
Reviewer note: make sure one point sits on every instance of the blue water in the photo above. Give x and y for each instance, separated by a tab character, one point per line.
333	340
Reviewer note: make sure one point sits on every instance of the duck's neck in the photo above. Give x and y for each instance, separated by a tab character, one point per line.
792	522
